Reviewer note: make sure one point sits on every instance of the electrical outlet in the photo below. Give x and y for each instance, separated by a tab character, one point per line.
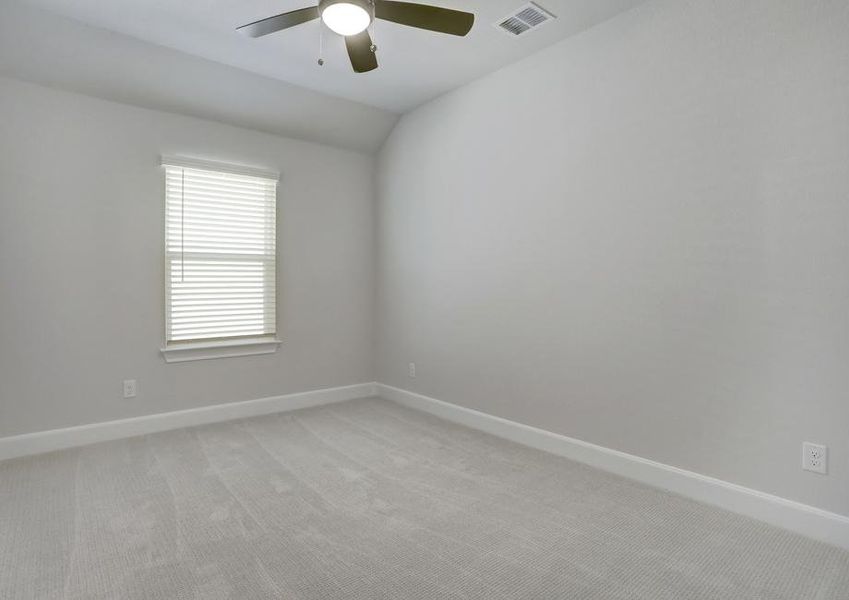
130	388
412	370
815	458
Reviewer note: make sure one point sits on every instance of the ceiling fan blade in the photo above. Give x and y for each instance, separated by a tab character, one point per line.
359	50
434	18
278	22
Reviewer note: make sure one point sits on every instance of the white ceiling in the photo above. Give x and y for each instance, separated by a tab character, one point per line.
52	50
415	65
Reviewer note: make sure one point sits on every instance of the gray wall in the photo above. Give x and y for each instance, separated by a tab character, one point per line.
639	238
81	262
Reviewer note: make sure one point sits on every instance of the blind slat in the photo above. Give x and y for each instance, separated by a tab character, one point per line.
220	254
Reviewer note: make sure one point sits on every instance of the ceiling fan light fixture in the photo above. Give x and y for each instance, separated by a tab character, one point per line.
346	18
351	19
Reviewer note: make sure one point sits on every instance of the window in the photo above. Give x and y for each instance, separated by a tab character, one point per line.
220	260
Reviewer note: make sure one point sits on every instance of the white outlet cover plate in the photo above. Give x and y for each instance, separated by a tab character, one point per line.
130	388
815	457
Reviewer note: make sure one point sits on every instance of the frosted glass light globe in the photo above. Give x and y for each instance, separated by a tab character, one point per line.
346	19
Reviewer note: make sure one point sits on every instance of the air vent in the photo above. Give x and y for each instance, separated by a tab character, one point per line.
524	19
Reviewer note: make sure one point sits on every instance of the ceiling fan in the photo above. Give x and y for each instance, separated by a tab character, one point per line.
351	19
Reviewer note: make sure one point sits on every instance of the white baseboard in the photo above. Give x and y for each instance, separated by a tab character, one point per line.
807	520
58	439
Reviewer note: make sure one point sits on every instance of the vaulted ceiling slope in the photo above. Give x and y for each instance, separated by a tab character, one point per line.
415	65
42	47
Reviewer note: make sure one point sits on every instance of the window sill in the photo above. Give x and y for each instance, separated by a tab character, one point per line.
182	352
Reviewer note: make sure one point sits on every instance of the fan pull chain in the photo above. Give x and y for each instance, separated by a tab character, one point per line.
320	43
372	26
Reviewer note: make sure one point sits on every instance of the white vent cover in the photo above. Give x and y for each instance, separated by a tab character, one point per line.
524	19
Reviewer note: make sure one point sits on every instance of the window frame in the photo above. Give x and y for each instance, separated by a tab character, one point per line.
219	347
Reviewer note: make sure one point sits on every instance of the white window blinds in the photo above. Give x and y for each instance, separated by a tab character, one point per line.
220	252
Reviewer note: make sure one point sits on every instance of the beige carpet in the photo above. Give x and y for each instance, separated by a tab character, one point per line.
370	500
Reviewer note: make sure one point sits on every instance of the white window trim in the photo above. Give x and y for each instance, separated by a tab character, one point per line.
186	351
211	165
175	352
